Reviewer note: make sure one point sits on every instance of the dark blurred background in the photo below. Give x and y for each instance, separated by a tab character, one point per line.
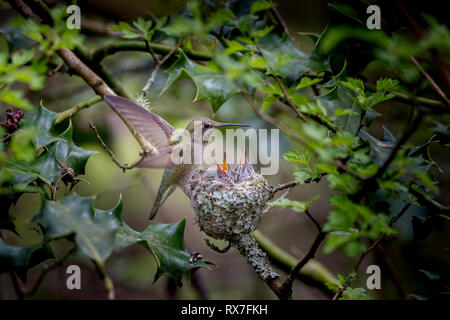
133	270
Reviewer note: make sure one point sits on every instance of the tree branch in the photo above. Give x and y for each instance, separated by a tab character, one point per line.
410	129
313	271
287	284
272	120
374	245
432	104
78	107
109	49
433	83
159	64
109	151
281	21
427	200
283	186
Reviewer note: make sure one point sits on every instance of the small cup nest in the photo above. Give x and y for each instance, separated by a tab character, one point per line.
228	206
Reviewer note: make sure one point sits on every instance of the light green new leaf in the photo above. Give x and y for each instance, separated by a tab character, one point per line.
295	156
307	82
15	98
121	26
268	101
297	206
355	294
261	5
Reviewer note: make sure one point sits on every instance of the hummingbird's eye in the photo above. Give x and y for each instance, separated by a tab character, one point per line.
206	125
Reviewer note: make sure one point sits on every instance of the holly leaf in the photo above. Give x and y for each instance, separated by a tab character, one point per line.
20	259
16	39
42	123
286	60
47	166
346	112
44	168
75	215
211	85
58	149
379	150
164	241
70	154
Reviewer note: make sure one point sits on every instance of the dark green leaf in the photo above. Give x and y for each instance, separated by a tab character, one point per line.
20	259
164	241
213	86
75	215
42	123
16	39
286	60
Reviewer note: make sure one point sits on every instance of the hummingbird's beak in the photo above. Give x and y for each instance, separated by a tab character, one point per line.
220	125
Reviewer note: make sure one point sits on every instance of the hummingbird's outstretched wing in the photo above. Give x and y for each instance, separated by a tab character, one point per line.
162	160
152	127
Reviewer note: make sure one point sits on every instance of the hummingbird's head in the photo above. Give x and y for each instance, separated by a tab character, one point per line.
207	127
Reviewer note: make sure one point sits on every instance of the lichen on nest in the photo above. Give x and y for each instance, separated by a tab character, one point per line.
228	206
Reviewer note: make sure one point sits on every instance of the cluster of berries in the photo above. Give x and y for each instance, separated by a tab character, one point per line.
12	121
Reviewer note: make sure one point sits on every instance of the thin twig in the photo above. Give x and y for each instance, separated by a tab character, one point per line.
287	284
272	120
75	109
361	122
152	52
52	72
331	126
109	151
288	100
374	245
394	274
283	24
281	197
47	269
112	48
316	223
283	186
405	136
347	169
433	83
434	105
159	65
314	271
427	200
55	186
438	61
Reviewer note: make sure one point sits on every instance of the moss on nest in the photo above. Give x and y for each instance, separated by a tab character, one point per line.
228	206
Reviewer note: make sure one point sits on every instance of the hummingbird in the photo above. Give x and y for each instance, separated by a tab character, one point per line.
162	137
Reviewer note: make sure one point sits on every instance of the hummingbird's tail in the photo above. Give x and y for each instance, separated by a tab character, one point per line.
154	210
165	190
